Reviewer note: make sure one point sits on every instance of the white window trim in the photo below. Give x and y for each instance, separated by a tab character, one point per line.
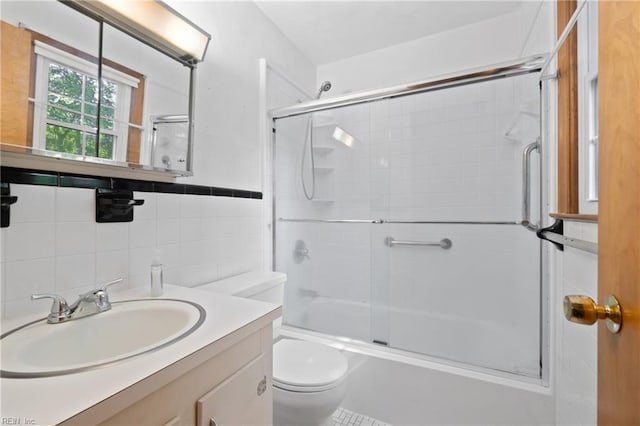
587	114
82	65
47	54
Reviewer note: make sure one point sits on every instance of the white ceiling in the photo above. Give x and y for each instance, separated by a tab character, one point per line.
327	31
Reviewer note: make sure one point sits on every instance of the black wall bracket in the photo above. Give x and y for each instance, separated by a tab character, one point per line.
556	228
115	205
6	199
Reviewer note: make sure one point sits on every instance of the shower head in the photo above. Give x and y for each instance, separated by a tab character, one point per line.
324	87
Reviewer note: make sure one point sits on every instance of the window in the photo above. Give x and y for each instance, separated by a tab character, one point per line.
592	142
578	113
588	109
66	102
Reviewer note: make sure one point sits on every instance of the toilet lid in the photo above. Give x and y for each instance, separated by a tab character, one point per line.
306	366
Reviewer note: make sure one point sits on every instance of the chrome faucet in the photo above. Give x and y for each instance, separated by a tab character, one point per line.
89	303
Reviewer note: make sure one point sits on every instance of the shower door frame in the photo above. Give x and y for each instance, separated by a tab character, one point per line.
528	65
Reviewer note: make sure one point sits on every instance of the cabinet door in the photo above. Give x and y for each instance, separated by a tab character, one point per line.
242	399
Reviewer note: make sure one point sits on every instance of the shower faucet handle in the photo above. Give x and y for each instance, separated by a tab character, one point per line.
301	252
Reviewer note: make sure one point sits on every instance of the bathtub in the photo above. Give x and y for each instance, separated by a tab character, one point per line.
407	387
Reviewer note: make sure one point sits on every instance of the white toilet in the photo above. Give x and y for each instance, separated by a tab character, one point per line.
309	379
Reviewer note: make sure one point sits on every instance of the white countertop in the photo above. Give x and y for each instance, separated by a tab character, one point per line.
51	400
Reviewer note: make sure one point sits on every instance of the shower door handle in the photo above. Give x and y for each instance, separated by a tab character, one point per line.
526	185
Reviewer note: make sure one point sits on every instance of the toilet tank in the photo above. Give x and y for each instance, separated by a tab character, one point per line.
266	286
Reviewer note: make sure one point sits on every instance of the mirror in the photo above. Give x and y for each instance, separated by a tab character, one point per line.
53	106
155	86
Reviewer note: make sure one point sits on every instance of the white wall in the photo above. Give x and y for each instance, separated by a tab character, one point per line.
507	37
54	244
576	345
228	150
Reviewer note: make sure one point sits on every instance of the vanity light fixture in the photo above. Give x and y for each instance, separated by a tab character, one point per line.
152	22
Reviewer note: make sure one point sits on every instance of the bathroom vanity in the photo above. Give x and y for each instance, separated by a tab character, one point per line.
219	374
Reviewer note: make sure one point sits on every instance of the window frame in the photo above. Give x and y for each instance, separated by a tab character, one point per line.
588	111
572	172
46	55
138	99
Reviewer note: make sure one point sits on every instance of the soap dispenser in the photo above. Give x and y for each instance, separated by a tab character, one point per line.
156	274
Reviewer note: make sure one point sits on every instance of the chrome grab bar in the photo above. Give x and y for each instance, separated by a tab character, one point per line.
449	222
283	219
526	188
444	243
408	222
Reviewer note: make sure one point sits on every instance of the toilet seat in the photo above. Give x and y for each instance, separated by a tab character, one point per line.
300	366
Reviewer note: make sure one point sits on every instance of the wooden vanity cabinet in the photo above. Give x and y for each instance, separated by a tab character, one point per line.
225	383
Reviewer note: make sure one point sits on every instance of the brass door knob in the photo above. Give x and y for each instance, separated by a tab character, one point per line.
583	310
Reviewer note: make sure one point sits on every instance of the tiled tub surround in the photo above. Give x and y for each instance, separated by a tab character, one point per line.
440	155
54	245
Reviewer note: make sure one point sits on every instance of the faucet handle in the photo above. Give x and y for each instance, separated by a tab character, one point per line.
102	297
60	310
104	286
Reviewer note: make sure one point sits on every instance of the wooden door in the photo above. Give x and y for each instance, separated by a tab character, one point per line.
619	209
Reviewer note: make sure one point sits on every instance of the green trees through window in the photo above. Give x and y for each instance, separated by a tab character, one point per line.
71	119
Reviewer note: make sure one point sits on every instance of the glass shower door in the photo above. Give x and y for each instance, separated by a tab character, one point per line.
454	275
412	237
323	243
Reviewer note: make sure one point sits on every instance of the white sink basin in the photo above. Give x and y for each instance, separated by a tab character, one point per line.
128	329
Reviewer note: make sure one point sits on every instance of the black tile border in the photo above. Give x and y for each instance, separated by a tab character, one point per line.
222	192
68	180
28	177
169	188
132	185
81	181
197	190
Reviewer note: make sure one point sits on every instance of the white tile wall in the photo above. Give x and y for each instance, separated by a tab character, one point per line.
437	155
54	245
576	345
